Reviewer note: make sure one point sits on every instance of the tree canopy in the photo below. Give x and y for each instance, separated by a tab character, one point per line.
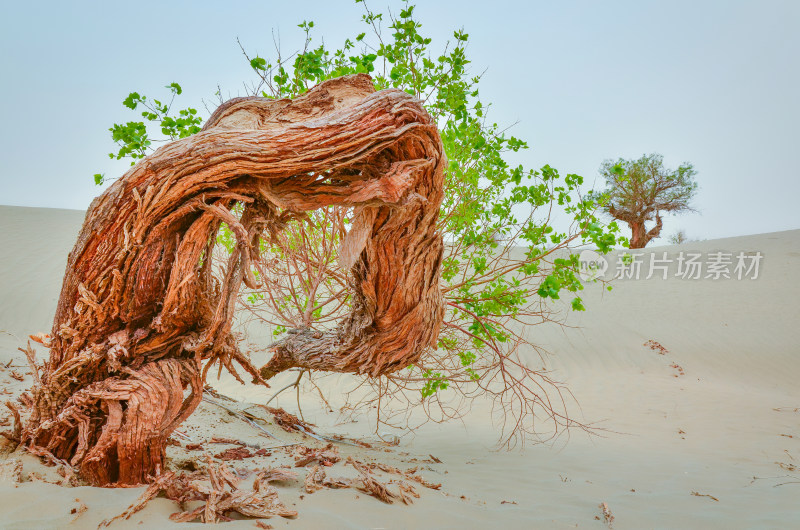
638	191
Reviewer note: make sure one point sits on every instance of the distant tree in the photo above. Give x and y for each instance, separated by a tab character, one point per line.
639	191
679	237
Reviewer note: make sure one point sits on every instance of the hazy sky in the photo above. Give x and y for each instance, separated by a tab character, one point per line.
712	83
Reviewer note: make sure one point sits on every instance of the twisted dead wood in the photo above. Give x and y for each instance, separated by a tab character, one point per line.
141	315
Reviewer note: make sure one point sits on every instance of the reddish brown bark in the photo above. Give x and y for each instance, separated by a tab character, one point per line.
640	236
141	317
637	234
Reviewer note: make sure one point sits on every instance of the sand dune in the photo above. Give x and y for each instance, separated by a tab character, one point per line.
716	414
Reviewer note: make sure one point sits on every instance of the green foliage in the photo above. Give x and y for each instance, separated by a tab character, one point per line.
639	189
434	381
577	304
134	139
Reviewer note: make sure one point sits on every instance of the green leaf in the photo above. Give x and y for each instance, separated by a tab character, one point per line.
258	63
132	100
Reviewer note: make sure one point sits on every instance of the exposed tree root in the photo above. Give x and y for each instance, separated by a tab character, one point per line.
225	496
222	495
326	456
314	478
407	493
156	487
289	422
278	474
410	474
141	317
371	485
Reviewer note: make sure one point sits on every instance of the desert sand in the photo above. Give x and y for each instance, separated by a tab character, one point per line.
703	435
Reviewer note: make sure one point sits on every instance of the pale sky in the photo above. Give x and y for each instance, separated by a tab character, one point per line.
712	83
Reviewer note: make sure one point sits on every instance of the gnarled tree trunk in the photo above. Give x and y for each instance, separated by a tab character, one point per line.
640	235
141	317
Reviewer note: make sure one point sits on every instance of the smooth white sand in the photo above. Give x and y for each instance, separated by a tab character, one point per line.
736	340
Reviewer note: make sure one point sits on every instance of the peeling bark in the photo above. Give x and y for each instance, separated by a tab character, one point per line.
141	317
